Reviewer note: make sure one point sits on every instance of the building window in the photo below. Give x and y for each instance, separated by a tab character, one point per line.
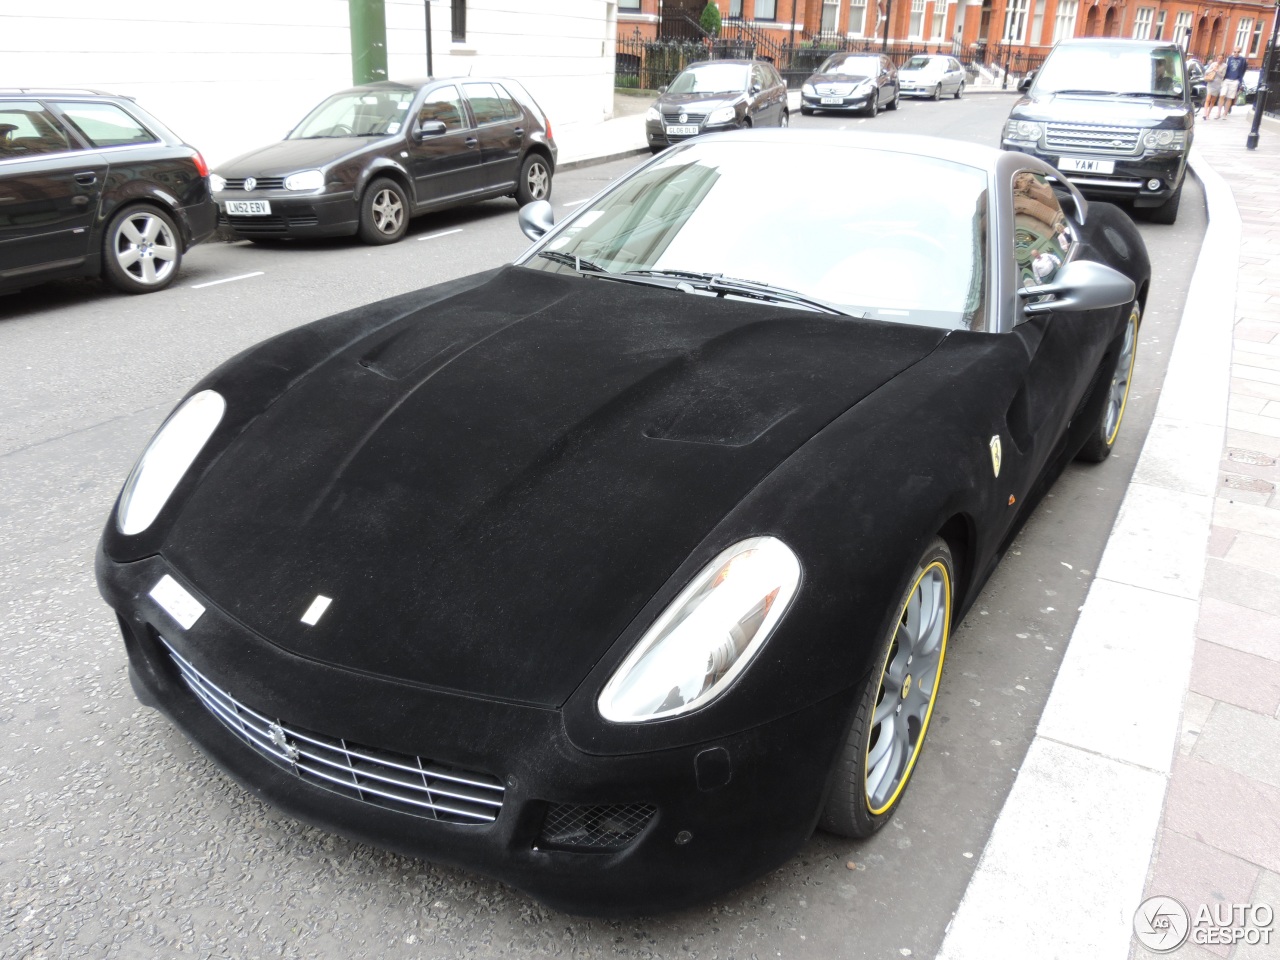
1142	23
629	6
1182	28
1159	26
1015	21
830	10
459	21
766	9
939	19
1064	24
735	9
1243	33
915	30
857	17
1257	39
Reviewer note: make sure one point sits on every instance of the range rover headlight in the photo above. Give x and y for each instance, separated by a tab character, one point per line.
306	180
167	458
1023	130
707	636
1165	140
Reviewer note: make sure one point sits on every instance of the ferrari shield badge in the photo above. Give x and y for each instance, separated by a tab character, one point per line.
995	455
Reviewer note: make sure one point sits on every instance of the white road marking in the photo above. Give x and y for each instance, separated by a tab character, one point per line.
213	283
442	233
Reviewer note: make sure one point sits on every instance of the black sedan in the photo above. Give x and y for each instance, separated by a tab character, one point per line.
717	95
93	185
368	159
612	572
866	82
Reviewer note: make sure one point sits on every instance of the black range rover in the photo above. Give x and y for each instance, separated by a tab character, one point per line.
1115	117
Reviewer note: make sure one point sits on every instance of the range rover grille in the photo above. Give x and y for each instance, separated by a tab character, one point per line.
1093	139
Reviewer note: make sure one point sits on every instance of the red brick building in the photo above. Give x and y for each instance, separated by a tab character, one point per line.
980	29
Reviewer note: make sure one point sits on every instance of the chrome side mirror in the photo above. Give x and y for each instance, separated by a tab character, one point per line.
1079	285
536	219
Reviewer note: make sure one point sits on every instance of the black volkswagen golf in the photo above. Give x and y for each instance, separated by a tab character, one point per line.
368	159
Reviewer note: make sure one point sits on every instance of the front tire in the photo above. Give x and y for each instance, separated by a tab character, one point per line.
937	92
806	111
897	95
141	250
535	180
1102	438
874	107
1167	212
896	703
786	119
384	212
960	90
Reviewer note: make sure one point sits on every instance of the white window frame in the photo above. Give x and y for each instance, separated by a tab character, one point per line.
939	20
830	9
857	18
1160	19
1257	39
1142	23
1243	33
773	13
915	29
1015	22
1064	21
1182	28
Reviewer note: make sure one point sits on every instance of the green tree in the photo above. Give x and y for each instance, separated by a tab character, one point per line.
711	18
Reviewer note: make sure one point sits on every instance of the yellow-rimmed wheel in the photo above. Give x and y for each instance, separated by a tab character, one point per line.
896	703
1103	437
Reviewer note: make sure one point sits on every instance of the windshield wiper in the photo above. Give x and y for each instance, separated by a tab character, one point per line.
752	289
1100	93
1149	93
572	260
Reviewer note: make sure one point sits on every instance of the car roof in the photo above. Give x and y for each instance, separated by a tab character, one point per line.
60	92
1117	42
970	154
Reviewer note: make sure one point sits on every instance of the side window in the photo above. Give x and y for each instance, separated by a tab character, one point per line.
510	109
758	79
443	105
1041	237
27	129
484	103
105	124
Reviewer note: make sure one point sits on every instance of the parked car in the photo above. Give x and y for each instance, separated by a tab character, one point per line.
1115	117
717	95
1249	85
931	76
368	159
93	185
852	81
1196	81
611	572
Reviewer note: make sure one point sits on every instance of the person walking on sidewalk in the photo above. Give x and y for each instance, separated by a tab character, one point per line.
1213	81
1231	77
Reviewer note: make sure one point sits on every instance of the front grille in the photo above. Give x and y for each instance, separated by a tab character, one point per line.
834	89
394	781
271	224
694	119
601	828
263	183
1089	138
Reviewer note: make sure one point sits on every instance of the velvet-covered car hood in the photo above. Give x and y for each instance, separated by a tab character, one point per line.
491	485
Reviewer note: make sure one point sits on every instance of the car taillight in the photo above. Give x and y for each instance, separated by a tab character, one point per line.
202	168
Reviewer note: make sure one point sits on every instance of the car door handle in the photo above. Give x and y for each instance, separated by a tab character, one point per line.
86	179
519	131
471	141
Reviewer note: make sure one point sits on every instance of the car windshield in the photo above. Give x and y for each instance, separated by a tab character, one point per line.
921	63
713	78
356	114
911	250
860	66
1112	68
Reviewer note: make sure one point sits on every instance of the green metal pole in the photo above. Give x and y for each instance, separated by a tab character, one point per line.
368	40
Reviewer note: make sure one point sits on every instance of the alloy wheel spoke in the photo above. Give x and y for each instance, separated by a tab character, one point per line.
131	231
128	257
167	254
148	270
151	228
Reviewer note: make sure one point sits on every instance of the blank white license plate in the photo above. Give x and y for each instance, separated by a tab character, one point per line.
833	99
248	208
1086	165
682	131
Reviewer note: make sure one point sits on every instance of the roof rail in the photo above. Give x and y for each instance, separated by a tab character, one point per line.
41	90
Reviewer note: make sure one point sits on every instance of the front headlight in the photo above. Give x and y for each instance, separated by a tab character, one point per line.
216	182
866	86
708	634
809	90
1022	130
306	180
1165	140
722	115
167	458
653	114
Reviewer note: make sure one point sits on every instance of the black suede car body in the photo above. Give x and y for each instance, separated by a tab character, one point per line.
94	185
714	96
611	575
368	159
1115	117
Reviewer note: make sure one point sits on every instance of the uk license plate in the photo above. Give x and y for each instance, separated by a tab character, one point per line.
248	208
682	131
833	99
1086	165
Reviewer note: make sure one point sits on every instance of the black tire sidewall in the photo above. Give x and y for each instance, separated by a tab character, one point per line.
368	231
845	812
115	274
1096	448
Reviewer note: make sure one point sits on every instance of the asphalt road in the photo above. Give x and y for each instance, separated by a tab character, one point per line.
120	840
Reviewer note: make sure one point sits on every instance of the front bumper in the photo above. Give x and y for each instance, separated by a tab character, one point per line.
292	215
857	101
657	135
1128	179
715	815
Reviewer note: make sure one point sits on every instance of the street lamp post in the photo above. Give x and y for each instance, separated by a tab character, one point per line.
1260	99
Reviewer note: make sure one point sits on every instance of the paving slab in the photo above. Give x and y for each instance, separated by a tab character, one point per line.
1228	811
1243	741
1235	677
